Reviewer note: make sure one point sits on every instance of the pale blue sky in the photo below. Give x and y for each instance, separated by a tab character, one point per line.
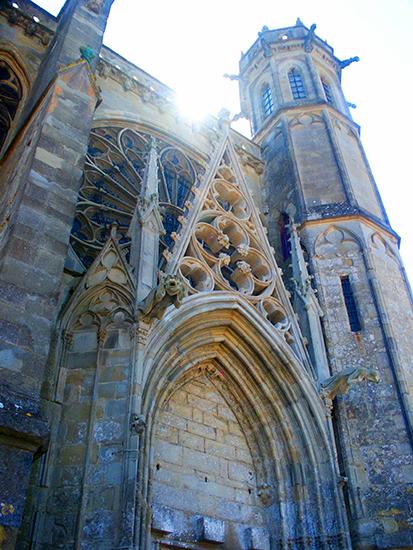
189	44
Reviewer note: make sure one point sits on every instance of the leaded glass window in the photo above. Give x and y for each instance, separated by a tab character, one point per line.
296	84
266	101
10	97
113	174
327	91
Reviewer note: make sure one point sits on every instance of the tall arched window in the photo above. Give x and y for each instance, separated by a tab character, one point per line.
10	97
296	83
266	101
327	91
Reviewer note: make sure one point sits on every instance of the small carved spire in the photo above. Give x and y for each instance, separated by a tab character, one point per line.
304	290
150	178
113	230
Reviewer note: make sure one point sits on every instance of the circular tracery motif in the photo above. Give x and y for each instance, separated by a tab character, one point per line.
10	97
113	175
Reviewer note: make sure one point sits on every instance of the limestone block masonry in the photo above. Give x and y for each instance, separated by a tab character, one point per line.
205	339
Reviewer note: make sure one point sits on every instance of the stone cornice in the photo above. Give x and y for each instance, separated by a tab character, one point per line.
353	214
255	53
302	108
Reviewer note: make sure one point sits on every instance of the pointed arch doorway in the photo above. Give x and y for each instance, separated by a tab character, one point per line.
236	452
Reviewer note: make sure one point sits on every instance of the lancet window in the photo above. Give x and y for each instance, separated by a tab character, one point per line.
266	101
113	174
327	91
350	303
10	98
296	84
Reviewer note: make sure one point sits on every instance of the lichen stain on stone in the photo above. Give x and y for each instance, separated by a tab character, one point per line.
3	535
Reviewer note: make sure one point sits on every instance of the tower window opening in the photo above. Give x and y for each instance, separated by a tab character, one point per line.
350	302
327	91
266	101
283	222
296	84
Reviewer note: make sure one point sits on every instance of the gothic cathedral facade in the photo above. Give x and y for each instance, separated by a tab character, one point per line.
205	340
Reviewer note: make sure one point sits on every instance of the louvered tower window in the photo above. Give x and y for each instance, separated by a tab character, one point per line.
266	101
350	302
10	97
296	83
327	91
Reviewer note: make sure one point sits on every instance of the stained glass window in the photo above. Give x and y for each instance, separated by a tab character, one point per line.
113	174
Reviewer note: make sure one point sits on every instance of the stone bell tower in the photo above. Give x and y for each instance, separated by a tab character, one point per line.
319	185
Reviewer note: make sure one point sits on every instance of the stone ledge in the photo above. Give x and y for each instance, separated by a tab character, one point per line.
21	425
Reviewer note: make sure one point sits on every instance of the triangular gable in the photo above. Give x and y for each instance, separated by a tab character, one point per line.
224	246
107	285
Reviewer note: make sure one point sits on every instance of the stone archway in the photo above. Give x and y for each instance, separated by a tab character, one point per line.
294	491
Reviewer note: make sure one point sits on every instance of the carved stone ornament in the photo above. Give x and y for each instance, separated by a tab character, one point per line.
94	5
170	290
265	494
340	383
138	423
225	251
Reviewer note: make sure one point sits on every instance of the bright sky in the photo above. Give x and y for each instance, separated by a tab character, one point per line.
189	44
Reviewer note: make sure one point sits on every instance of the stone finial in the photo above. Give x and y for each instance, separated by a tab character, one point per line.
87	53
299	23
113	230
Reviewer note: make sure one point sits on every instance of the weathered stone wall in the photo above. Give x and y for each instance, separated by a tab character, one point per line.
81	480
317	167
202	466
374	440
362	183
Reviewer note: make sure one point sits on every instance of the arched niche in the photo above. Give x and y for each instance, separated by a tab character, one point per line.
220	343
88	393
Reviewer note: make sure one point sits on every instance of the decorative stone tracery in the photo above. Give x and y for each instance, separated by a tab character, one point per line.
225	252
113	174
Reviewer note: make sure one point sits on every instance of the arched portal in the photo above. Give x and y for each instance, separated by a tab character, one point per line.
216	352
